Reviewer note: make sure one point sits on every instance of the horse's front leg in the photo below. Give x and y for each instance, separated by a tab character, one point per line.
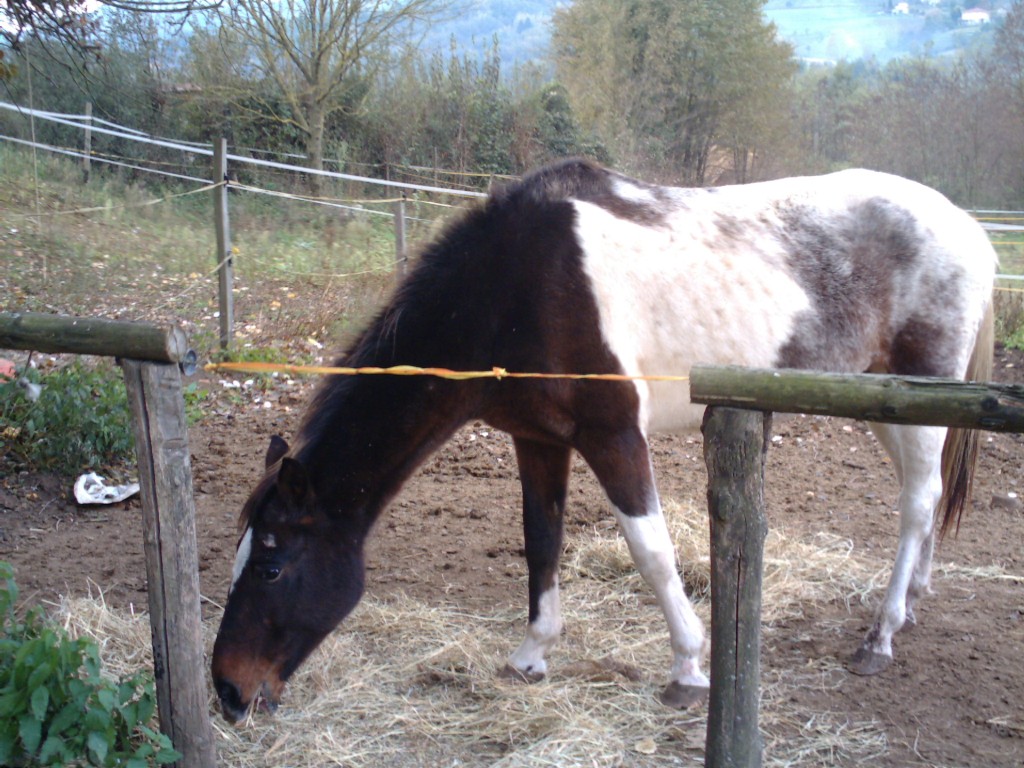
622	463
917	453
544	474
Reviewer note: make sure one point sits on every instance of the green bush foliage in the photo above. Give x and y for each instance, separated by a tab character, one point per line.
80	421
55	706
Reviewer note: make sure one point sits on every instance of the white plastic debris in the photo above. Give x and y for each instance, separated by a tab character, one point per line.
91	488
32	390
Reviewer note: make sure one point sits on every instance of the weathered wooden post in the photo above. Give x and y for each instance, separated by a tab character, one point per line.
225	265
150	359
735	442
86	159
735	446
172	573
401	258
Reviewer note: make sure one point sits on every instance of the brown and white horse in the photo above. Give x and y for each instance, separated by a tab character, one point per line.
578	269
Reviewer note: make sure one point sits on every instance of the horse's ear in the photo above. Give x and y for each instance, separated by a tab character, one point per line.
293	482
276	450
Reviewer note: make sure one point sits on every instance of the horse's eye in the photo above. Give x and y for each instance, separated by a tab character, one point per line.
268	573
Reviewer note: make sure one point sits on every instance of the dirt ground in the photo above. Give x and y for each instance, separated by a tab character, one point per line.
953	697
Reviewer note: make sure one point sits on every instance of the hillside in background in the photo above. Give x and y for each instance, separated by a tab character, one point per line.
835	30
523	28
830	30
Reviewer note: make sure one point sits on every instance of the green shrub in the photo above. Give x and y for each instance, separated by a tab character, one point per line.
1015	340
56	708
80	421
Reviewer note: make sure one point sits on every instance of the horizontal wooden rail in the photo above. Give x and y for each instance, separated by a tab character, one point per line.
92	336
152	359
865	396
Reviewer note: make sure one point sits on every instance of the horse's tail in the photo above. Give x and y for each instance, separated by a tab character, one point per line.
960	452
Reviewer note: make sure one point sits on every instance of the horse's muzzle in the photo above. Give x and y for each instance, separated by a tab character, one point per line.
231	703
235	708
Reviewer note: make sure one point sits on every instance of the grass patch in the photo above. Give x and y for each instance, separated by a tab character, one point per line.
113	252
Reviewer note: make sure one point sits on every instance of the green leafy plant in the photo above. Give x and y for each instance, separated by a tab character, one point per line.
1015	340
55	706
80	421
195	398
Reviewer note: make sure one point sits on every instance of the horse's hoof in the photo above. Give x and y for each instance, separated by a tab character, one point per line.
508	672
679	696
868	662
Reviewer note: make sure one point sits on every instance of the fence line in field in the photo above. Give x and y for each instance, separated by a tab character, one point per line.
991	220
186	148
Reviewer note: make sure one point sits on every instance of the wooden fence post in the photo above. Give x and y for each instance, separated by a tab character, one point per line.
735	446
168	510
400	254
225	266
150	359
88	142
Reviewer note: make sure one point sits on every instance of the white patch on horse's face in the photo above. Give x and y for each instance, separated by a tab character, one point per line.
241	558
688	291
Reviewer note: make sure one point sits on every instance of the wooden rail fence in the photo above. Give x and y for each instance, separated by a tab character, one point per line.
736	433
151	360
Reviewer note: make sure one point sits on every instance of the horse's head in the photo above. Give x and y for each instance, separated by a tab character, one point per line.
298	573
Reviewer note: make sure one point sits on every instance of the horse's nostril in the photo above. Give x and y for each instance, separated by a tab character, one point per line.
230	700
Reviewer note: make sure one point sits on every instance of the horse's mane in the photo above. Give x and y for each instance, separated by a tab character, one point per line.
464	255
581	179
464	241
564	180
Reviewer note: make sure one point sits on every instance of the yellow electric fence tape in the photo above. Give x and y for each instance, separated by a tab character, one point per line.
412	370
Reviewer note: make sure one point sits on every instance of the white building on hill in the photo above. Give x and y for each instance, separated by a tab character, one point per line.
975	16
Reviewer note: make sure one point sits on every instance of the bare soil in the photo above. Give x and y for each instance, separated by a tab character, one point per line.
953	697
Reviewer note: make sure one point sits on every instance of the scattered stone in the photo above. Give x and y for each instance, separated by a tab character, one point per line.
1009	501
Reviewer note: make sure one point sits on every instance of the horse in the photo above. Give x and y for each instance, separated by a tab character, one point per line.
577	269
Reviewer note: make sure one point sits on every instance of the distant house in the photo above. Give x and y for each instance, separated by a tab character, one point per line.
975	16
901	8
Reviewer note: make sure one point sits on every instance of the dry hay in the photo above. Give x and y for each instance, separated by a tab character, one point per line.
405	683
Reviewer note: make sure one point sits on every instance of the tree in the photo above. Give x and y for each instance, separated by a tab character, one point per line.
1006	73
63	20
825	105
314	52
666	80
72	23
126	79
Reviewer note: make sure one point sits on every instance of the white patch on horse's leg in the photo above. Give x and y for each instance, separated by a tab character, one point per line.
241	559
654	554
889	436
541	636
919	450
920	581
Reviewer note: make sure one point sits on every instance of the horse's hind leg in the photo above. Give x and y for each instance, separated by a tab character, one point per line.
622	465
544	474
916	452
